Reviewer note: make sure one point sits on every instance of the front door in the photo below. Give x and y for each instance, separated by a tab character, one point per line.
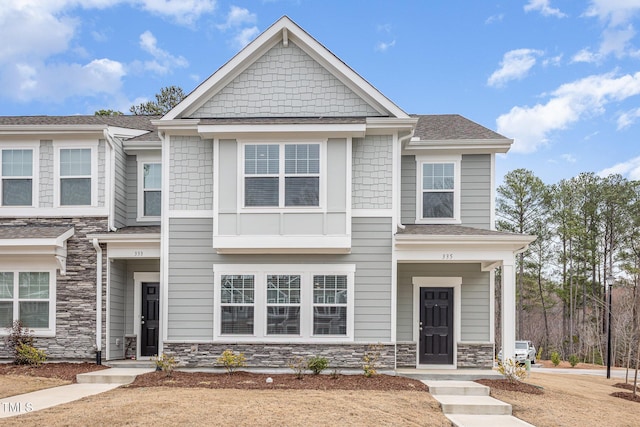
436	326
149	321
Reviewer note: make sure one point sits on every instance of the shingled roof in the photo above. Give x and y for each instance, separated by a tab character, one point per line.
439	127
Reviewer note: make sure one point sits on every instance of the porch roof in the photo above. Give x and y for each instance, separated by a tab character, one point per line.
134	234
36	240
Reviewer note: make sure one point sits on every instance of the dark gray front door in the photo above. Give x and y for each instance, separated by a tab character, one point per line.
436	323
150	321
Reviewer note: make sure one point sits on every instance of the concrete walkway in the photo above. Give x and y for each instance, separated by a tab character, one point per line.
468	404
88	384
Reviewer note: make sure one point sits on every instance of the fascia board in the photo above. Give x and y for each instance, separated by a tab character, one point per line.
466	145
132	238
52	129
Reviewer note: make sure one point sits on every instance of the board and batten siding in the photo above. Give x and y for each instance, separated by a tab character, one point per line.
191	260
475	199
475	316
117	308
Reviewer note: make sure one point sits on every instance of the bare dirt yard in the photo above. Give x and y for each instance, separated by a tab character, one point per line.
246	399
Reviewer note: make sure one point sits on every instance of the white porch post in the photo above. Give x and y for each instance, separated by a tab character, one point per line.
508	310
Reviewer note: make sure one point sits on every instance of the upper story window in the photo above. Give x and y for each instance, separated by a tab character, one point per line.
75	177
281	175
439	189
151	189
17	177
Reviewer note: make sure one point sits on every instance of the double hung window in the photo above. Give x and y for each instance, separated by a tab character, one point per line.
272	302
282	175
439	190
17	177
26	296
75	176
151	189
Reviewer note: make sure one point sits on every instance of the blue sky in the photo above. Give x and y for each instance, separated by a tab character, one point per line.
561	77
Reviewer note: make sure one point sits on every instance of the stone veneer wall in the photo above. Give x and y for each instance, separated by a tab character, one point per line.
406	355
475	355
372	172
277	355
75	291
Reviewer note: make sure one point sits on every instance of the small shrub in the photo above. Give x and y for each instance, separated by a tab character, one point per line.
232	361
573	360
298	364
317	364
165	363
29	355
555	358
370	359
18	334
512	371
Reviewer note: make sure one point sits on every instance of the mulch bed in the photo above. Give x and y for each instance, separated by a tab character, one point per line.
507	385
256	381
626	395
62	370
625	386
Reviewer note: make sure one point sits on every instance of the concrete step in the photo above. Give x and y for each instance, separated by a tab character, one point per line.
449	374
112	376
131	364
456	388
487	421
472	405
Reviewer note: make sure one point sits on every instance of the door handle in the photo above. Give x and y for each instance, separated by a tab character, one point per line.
142	323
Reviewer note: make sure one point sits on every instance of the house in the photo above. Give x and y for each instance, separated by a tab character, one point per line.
284	207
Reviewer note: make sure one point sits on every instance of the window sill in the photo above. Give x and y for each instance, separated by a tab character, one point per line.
439	221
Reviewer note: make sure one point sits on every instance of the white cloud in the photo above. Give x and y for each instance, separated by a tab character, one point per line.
531	126
494	18
163	62
60	81
629	169
616	12
383	47
515	65
384	28
553	61
585	55
544	8
569	158
245	36
628	118
237	17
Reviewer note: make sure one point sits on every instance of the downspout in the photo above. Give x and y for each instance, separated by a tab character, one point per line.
112	181
98	249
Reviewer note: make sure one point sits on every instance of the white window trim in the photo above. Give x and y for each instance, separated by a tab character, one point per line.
282	208
61	145
306	271
457	161
25	268
35	173
141	161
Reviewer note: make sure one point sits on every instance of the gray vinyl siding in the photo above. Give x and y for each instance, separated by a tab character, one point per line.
475	180
46	174
475	190
372	174
117	308
120	191
408	190
190	173
475	316
131	177
191	260
102	144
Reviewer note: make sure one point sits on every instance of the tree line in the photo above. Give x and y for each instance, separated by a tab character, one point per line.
588	230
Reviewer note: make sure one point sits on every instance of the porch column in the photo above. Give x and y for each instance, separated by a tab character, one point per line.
508	310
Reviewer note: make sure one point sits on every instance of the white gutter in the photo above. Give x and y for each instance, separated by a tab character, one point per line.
98	249
111	184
